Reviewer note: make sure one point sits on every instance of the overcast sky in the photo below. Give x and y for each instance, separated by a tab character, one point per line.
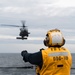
40	16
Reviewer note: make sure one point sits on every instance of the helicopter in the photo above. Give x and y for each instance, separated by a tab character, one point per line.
23	30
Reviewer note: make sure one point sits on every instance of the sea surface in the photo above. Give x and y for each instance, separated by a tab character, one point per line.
12	64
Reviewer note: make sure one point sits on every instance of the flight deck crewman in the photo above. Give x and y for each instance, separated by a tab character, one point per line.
54	60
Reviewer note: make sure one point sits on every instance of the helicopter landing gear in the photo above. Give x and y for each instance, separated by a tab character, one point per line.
21	38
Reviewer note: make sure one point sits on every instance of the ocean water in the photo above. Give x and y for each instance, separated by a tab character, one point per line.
12	64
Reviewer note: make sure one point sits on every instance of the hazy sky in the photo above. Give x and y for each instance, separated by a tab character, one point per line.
40	16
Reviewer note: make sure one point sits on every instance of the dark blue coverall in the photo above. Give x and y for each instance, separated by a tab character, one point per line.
33	58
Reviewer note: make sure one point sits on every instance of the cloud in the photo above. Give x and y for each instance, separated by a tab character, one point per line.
14	37
14	10
29	8
43	14
17	48
64	3
6	37
71	47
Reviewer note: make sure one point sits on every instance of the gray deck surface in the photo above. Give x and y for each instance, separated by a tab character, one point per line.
12	64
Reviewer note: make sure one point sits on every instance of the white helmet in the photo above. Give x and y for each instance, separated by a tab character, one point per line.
54	38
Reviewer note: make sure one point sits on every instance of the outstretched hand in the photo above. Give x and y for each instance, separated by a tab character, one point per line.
23	52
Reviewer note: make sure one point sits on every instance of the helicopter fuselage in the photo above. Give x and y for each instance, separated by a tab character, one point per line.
23	33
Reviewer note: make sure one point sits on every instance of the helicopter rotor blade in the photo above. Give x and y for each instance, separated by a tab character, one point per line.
23	23
10	25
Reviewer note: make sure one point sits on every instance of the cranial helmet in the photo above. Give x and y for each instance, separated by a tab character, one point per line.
54	38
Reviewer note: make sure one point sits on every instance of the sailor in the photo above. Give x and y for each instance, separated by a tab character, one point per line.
55	59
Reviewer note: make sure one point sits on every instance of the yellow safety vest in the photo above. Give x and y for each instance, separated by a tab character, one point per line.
56	61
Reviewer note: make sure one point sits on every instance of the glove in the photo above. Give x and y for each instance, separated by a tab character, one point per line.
23	52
